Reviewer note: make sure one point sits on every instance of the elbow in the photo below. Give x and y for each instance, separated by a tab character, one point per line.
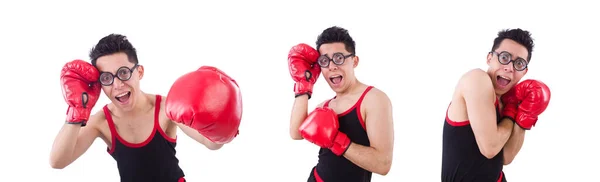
507	161
295	135
508	158
57	164
489	153
384	171
489	150
385	167
214	146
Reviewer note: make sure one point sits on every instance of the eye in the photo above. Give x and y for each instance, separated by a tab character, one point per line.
123	72
504	57
105	78
338	58
323	60
520	63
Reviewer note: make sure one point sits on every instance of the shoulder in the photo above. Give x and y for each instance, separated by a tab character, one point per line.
376	99
323	103
376	95
475	78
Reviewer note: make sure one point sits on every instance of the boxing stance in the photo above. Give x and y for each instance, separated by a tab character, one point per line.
354	129
490	111
140	128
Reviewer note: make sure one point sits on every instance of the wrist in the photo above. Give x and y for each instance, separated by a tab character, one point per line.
77	116
341	144
303	88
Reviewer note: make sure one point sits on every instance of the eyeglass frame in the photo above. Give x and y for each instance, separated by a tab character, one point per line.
116	76
510	60
331	60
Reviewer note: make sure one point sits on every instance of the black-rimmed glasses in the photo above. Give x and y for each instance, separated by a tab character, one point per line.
337	58
505	58
123	73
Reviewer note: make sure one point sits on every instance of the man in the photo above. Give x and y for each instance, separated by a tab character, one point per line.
355	128
491	110
140	128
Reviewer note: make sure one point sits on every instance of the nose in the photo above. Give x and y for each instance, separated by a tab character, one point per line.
509	67
117	84
332	66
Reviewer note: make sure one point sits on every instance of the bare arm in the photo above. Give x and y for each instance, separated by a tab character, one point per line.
73	140
192	133
478	93
299	113
377	157
514	144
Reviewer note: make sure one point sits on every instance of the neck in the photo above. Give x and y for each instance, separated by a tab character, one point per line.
141	105
354	86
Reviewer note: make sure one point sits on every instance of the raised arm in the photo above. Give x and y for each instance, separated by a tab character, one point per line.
81	91
305	72
479	96
379	122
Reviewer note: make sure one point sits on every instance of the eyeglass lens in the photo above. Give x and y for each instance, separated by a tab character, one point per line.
123	74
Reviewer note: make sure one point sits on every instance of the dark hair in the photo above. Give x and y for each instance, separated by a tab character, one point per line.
336	35
111	44
518	35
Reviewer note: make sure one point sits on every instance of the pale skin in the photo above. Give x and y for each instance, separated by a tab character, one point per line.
474	98
134	122
376	110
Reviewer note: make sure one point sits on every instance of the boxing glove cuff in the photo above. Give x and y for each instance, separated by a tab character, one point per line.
78	115
301	88
526	121
510	111
340	144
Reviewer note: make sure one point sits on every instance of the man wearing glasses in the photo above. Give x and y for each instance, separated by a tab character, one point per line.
355	128
490	111
140	128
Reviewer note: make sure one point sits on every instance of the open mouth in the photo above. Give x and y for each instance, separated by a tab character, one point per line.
336	79
124	97
502	80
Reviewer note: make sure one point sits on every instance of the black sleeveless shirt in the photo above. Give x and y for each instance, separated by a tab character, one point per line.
151	160
332	168
461	158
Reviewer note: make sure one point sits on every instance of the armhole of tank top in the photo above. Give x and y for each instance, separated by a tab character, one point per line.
358	103
111	128
157	120
326	104
454	123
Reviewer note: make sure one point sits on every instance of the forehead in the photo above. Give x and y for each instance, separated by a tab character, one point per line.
331	48
514	48
112	62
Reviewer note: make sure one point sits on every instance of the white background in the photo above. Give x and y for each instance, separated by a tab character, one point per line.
431	45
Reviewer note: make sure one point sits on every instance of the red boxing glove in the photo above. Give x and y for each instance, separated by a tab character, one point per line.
321	128
302	60
525	102
209	101
81	89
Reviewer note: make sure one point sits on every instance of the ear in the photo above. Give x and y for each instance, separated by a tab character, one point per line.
489	58
356	60
140	71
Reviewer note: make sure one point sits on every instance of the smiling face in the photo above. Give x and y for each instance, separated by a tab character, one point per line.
504	77
339	77
122	93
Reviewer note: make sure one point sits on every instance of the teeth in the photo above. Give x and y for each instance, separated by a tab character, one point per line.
335	76
123	94
504	77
